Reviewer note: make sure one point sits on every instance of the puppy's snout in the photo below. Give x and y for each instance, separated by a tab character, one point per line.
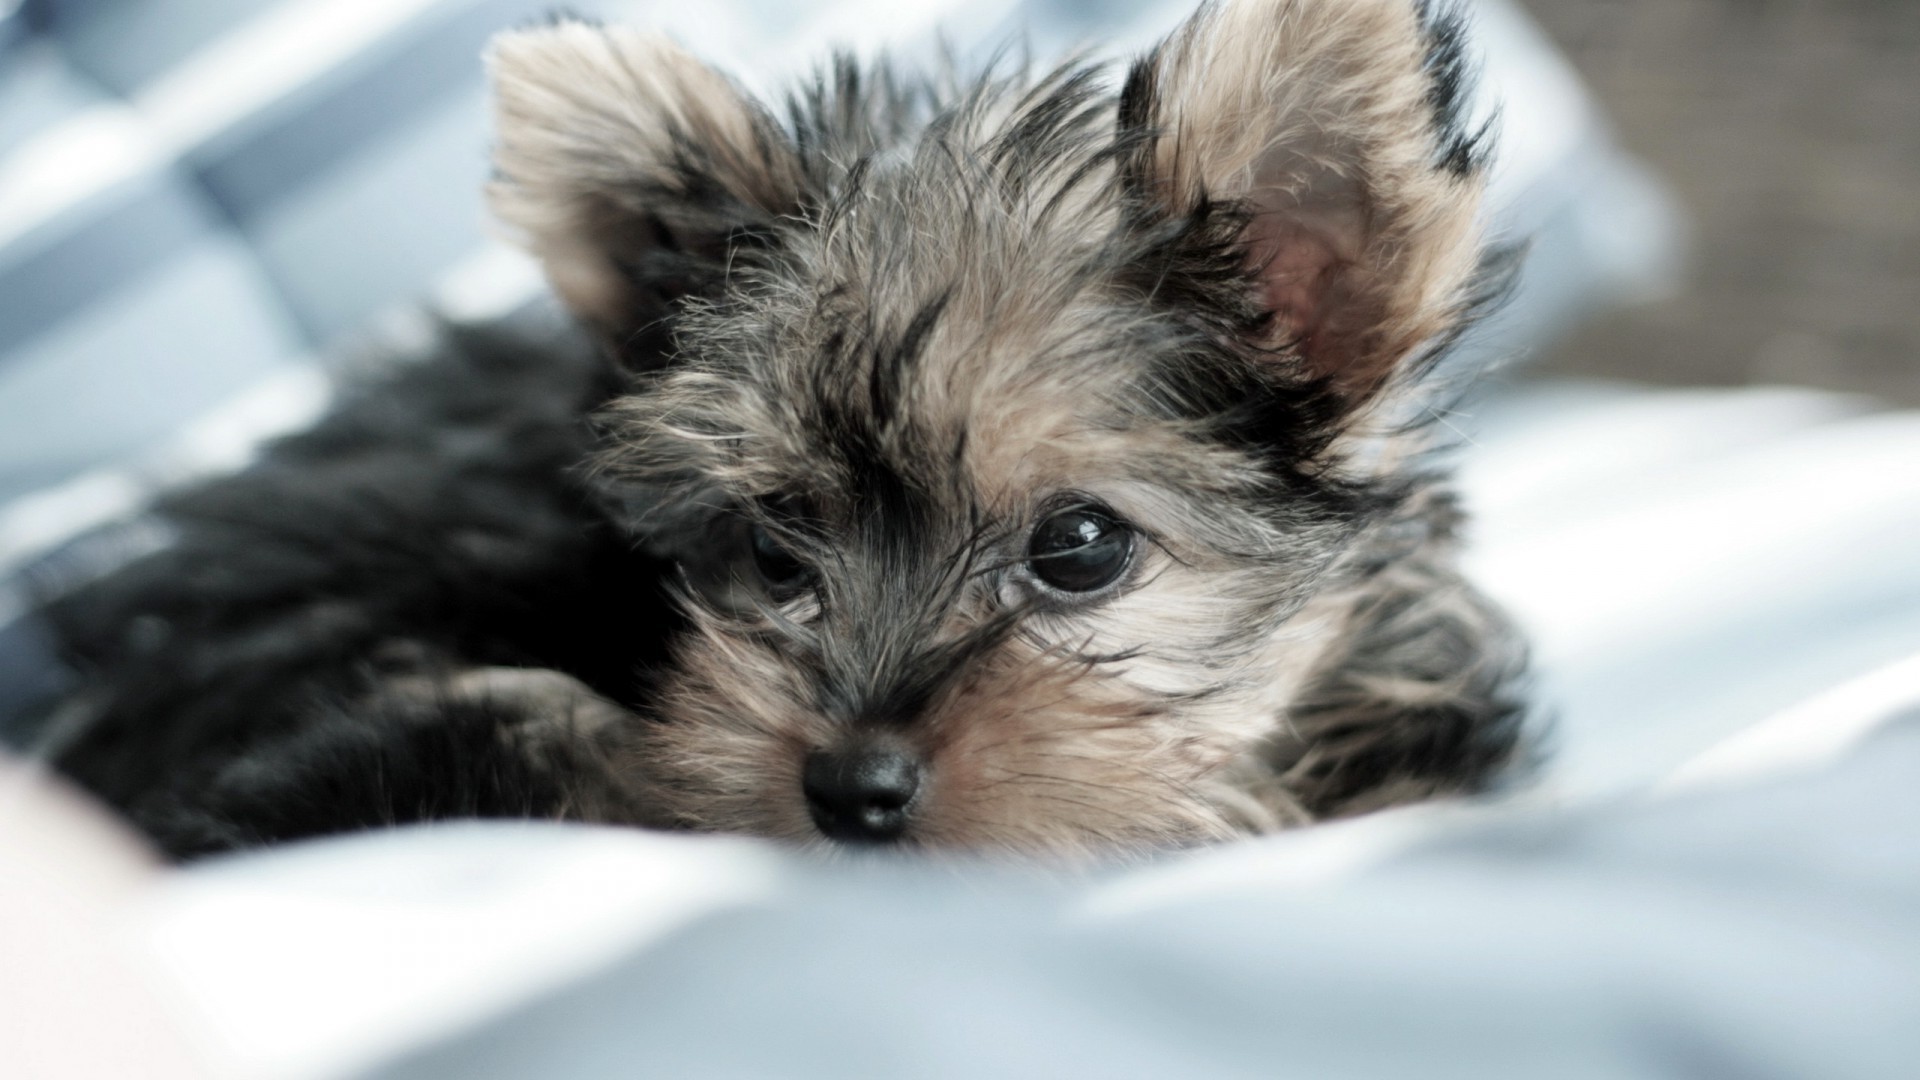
862	794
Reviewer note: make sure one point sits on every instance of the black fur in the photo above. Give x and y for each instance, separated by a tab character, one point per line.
377	763
436	517
282	666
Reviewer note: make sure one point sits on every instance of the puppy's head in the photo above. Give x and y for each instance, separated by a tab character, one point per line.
1008	433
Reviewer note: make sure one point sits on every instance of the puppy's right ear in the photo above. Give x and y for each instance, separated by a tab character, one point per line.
630	169
1339	128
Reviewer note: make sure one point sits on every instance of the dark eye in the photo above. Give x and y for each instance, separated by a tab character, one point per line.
779	567
1079	550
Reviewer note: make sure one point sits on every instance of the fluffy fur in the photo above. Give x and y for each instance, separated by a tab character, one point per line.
889	336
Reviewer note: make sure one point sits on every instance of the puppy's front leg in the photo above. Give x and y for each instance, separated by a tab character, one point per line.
491	742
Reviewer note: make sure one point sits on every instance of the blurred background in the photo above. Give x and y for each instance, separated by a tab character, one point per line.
1790	132
1694	485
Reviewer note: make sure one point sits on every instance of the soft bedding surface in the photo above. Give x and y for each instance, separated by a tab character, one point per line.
1759	927
1715	873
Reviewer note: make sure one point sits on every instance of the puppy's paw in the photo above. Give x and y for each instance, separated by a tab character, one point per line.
537	704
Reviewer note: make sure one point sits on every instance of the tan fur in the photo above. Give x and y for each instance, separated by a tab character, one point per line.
554	705
582	114
1316	110
1311	113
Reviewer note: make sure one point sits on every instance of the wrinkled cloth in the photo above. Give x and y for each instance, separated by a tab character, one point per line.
1731	925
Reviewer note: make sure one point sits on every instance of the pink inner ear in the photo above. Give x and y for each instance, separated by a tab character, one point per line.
1305	265
1298	270
1295	268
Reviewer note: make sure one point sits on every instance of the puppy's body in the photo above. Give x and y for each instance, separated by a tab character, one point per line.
1033	461
261	677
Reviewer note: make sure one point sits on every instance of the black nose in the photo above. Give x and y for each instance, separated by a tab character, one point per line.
860	795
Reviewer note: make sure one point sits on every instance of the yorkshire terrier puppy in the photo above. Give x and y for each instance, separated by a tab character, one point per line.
1025	462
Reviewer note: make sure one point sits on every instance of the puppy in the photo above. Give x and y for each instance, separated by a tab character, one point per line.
1030	462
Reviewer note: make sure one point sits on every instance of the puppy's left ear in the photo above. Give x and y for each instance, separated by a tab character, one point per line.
631	169
1334	124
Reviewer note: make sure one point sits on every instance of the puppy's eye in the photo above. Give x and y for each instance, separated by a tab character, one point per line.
1079	550
778	567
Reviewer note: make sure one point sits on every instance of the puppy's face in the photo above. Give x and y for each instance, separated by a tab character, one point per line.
1007	437
976	557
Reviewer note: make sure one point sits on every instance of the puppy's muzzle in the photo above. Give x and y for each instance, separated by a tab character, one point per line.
861	794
